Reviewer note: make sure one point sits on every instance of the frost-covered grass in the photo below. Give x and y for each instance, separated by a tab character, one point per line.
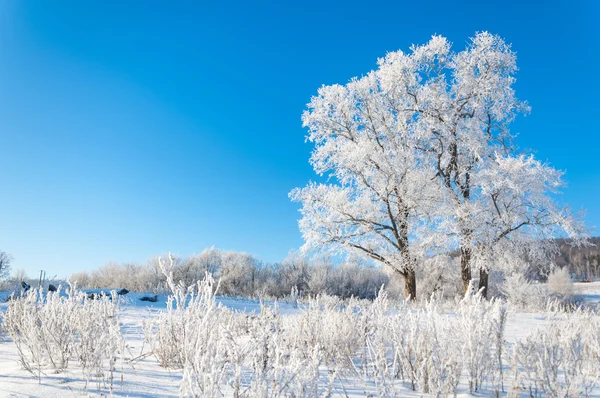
52	330
197	345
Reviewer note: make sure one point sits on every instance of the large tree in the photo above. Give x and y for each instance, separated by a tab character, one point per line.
381	201
423	160
461	105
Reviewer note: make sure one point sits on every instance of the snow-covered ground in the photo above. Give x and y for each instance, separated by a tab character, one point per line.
591	291
143	377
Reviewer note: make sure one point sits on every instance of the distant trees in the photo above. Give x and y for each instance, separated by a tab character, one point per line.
422	162
583	262
238	274
243	275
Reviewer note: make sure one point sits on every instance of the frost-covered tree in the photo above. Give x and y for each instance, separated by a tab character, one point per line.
237	274
459	105
422	157
381	202
462	104
513	213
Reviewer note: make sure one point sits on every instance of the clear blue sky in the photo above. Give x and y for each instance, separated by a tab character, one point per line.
129	129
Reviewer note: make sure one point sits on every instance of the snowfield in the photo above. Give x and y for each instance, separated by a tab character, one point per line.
139	373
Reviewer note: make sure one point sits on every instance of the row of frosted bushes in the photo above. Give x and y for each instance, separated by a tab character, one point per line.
330	346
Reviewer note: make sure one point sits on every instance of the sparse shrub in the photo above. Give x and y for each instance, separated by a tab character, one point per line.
189	335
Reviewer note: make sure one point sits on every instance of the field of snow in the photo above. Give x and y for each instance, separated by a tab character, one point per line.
140	375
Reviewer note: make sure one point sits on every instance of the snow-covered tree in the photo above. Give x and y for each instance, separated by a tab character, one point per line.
382	199
459	105
513	213
462	105
237	274
423	160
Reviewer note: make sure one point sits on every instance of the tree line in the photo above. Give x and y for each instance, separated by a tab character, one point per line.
244	275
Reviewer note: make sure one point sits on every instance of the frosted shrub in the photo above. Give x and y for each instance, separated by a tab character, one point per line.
560	283
431	349
379	365
190	312
202	346
415	340
41	328
438	276
190	335
281	364
263	333
99	339
2	333
288	352
51	330
481	327
441	375
499	317
293	296
428	349
330	325
561	359
522	294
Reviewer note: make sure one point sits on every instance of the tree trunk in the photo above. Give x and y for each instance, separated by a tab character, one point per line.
465	267
410	285
483	282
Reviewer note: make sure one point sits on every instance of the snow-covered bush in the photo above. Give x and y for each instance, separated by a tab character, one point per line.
439	276
99	343
191	335
427	351
560	283
561	359
189	312
431	348
285	362
496	281
522	294
53	329
480	324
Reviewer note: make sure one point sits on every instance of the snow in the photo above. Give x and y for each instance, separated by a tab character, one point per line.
591	291
144	377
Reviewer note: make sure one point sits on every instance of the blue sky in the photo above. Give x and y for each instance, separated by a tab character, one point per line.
130	129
